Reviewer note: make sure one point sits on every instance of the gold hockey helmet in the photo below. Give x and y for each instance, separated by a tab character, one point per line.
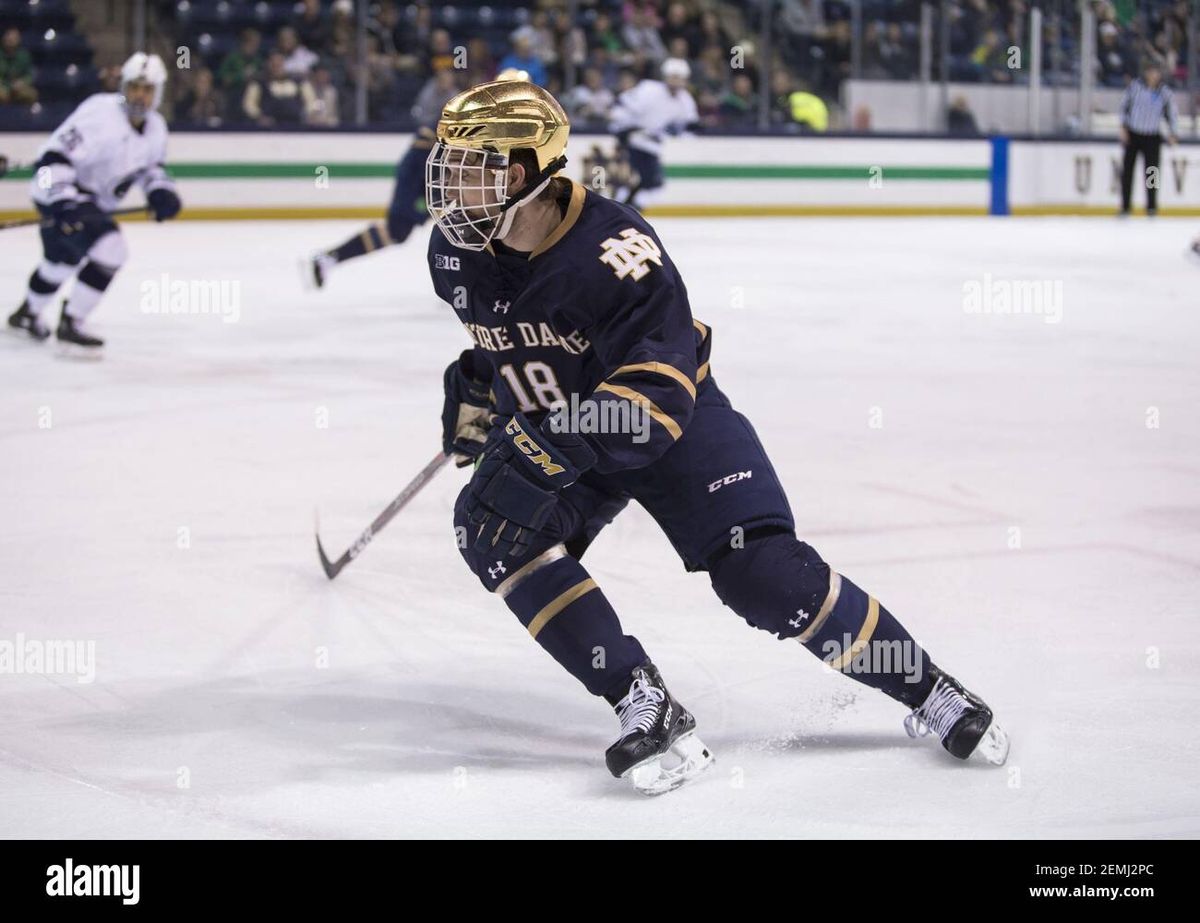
513	73
466	174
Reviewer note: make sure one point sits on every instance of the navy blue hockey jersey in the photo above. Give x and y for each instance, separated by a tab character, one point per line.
596	313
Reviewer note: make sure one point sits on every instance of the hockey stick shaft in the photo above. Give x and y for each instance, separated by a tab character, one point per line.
333	568
28	222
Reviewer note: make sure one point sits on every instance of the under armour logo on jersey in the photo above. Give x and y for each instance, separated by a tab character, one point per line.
500	307
629	254
496	571
803	617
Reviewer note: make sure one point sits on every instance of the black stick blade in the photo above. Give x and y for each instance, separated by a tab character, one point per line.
331	568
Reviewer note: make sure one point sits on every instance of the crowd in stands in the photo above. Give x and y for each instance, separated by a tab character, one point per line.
297	62
45	63
417	56
982	35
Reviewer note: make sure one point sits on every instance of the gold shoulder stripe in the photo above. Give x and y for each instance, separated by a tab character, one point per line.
560	602
701	373
659	368
652	408
700	327
568	222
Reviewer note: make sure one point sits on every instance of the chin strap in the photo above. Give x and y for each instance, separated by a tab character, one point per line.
527	195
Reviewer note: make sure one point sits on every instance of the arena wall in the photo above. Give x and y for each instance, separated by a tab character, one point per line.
343	175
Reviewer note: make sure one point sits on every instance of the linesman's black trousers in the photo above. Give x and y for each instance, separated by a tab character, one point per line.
1150	147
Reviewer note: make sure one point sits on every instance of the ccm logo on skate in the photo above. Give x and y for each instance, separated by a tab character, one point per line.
441	261
535	452
728	479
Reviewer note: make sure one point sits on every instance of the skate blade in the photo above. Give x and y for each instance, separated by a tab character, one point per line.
686	758
993	745
308	275
73	352
23	334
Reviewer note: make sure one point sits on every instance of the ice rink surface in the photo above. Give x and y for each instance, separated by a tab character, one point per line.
1023	495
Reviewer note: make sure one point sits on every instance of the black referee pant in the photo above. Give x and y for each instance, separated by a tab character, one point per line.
1150	147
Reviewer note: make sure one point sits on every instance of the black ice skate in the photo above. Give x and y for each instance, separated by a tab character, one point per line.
316	269
70	336
961	720
23	319
658	749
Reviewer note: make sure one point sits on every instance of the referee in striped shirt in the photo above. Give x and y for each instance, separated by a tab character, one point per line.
1145	103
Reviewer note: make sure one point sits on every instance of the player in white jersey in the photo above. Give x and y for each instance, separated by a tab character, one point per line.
110	142
641	118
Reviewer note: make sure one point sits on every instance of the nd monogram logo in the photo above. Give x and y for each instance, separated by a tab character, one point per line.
629	254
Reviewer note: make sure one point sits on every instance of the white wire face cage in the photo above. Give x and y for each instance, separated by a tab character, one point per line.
466	191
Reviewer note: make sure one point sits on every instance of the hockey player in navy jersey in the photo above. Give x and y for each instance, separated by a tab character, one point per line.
588	385
405	213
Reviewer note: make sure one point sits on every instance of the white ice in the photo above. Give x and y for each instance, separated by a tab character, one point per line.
1023	495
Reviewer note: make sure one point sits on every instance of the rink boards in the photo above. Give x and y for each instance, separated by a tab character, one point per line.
349	175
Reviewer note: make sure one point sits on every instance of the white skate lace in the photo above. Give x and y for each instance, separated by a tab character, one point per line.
938	713
638	710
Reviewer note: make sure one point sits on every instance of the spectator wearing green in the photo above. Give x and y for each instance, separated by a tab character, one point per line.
16	71
738	106
241	66
605	36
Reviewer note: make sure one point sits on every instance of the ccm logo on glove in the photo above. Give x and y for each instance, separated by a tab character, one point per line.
531	449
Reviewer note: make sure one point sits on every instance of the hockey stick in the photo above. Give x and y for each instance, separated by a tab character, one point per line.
27	222
7	166
333	568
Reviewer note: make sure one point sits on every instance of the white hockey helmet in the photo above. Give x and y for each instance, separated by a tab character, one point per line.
144	68
677	68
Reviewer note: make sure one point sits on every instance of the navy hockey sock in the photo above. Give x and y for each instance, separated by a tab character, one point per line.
781	585
862	639
566	613
371	239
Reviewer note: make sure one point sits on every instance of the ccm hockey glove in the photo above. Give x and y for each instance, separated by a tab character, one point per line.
466	413
514	493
